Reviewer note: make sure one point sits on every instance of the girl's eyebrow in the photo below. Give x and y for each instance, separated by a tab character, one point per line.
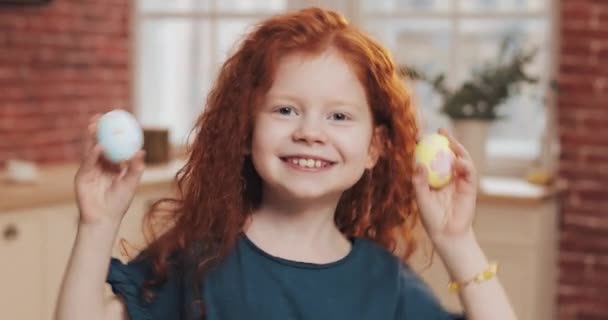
282	96
331	103
341	103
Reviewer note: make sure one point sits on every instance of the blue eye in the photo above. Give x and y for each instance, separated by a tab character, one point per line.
285	110
340	116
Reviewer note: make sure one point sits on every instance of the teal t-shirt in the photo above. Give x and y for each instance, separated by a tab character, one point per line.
369	283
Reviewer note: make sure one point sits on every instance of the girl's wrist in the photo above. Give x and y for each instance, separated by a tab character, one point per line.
97	237
462	256
102	225
463	239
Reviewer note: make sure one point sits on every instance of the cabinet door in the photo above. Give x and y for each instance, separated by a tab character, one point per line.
21	267
61	224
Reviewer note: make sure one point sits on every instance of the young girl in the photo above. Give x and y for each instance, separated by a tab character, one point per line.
298	199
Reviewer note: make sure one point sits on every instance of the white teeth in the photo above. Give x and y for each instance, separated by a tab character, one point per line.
307	163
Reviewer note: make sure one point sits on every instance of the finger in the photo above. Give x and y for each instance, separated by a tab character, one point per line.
94	118
136	167
124	167
424	197
458	149
420	180
109	167
465	169
88	142
92	158
90	135
118	178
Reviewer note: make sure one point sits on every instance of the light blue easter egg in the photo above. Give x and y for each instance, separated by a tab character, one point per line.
119	135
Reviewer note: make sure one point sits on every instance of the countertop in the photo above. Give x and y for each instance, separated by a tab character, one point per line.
55	185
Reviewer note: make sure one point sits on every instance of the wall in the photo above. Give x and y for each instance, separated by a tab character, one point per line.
582	121
60	63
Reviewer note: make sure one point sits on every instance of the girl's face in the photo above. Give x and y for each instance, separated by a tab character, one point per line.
312	136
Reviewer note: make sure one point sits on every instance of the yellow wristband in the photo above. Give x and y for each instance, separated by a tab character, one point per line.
485	275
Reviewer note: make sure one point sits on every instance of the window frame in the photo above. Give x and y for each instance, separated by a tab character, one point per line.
498	163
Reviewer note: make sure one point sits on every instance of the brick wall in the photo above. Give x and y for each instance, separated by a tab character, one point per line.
583	122
59	64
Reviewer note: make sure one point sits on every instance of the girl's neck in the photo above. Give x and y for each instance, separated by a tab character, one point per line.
298	230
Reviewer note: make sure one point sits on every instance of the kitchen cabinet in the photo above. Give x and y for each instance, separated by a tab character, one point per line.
38	226
21	266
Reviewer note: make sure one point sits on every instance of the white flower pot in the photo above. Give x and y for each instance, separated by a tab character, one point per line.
473	135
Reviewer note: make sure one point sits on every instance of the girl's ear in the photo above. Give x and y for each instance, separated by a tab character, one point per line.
376	147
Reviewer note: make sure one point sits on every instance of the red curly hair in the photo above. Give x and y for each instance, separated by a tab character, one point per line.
218	187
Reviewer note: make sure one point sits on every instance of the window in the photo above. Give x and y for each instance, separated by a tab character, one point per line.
455	37
180	45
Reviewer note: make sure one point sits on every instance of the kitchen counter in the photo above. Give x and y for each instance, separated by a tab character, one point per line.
55	185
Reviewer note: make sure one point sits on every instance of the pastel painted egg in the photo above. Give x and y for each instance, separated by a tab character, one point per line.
433	151
119	135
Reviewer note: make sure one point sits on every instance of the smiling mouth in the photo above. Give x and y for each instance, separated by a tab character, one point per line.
307	163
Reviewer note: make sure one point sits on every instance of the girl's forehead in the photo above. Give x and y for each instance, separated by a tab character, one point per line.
299	60
326	74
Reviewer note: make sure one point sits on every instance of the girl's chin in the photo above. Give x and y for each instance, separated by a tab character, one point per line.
303	194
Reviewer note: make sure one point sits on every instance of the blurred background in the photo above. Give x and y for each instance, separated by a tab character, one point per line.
520	82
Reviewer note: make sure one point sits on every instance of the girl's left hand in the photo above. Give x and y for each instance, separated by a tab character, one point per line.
447	213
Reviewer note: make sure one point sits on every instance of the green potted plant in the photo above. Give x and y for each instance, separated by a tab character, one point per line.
475	104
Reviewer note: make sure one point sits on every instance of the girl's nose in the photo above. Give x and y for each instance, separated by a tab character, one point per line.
310	131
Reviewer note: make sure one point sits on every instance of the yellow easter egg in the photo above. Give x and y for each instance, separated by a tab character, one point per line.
433	151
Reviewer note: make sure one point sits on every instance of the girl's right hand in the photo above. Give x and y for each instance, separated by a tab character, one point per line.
104	191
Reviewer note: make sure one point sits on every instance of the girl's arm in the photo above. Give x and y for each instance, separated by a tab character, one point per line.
447	215
464	259
82	294
104	192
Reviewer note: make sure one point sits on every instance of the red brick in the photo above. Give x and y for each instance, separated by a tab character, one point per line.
12	22
595	156
581	84
576	47
583	60
582	119
588	34
60	64
583	137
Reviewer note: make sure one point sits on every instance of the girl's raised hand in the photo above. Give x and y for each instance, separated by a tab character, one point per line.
447	213
104	190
